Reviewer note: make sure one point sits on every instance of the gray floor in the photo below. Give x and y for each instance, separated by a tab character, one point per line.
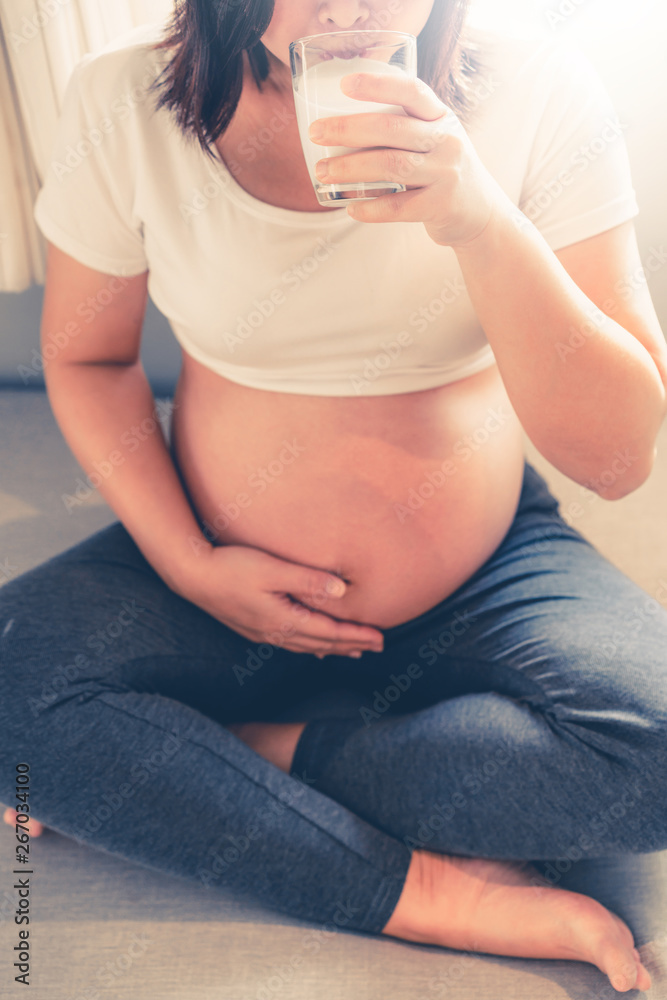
105	929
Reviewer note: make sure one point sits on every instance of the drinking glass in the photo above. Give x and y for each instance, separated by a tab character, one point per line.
318	63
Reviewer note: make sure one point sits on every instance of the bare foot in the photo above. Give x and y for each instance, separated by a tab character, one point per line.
472	904
32	826
275	741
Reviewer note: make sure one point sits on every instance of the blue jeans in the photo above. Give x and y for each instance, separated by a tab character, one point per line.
524	717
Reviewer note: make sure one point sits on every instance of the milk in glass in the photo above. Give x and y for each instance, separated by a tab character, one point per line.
320	96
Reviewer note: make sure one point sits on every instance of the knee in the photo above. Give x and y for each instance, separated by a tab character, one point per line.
33	681
41	690
649	757
641	778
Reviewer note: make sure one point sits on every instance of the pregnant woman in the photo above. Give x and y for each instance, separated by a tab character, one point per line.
345	502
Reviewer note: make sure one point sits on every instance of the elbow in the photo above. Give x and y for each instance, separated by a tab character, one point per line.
625	472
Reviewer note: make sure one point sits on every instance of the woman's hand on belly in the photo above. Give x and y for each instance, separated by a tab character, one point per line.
264	598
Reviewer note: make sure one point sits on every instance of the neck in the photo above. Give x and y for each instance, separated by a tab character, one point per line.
280	75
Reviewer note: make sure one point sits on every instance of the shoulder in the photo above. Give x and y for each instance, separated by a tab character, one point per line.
527	67
122	72
528	75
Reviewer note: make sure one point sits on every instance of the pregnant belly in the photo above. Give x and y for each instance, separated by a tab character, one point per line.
404	496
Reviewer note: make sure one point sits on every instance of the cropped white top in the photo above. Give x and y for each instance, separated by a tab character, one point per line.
316	302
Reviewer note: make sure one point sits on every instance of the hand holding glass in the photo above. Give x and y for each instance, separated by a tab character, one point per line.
319	62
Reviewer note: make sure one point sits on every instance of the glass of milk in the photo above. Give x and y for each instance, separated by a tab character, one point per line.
319	62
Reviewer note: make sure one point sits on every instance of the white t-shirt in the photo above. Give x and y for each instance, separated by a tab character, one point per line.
317	302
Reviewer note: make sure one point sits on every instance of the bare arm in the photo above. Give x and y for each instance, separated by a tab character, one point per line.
584	363
98	392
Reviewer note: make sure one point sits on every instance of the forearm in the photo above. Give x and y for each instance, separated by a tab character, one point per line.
97	406
583	387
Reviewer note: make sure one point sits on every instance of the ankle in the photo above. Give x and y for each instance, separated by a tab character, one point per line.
410	919
274	741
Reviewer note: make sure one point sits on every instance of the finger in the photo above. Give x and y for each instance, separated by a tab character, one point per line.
316	648
323	628
331	634
372	130
351	652
301	622
303	581
397	165
406	206
409	92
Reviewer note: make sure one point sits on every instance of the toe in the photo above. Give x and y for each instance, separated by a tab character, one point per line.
644	981
615	956
623	975
34	827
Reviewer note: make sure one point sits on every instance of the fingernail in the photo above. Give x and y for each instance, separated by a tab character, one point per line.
322	170
316	130
336	588
356	655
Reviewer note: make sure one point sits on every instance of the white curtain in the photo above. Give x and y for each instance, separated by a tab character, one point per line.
40	43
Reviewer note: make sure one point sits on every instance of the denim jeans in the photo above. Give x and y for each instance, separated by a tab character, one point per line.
524	717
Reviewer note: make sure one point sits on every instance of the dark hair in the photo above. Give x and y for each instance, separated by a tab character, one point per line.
203	80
